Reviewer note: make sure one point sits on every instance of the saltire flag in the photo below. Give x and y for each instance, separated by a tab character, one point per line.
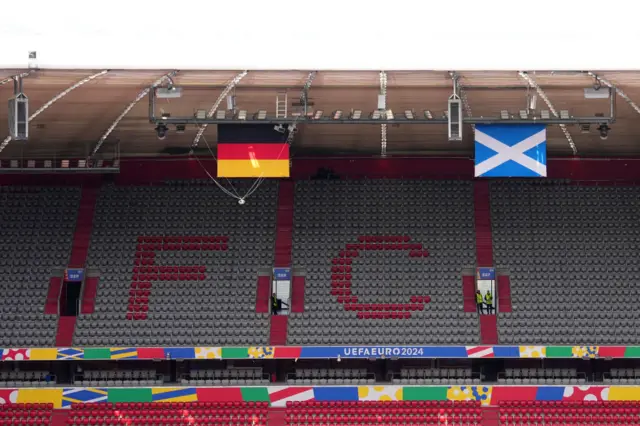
511	150
252	151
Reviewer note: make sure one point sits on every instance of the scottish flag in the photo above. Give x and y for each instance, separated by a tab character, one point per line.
511	150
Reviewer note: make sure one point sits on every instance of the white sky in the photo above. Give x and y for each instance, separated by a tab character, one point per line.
330	34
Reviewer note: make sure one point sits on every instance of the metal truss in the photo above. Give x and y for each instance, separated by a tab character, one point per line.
396	120
304	95
615	89
55	99
215	106
126	111
546	100
462	92
383	127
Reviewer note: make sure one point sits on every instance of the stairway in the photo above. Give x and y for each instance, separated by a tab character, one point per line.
53	294
489	329
278	331
490	416
482	209
504	293
59	417
89	291
469	293
263	294
297	294
284	224
64	335
276	417
84	224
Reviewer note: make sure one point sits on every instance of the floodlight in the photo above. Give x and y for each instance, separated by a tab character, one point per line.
389	114
318	114
201	114
375	115
524	114
337	115
221	114
504	114
242	114
356	114
564	114
408	114
262	114
428	115
544	114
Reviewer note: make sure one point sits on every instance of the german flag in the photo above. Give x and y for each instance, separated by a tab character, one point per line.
268	160
246	150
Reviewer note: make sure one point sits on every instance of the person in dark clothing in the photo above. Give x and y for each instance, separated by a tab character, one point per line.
275	305
479	302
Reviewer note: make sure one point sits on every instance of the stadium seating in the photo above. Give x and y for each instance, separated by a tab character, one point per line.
383	412
11	379
119	377
36	230
29	414
572	255
561	413
541	376
178	265
435	376
331	376
169	413
374	251
224	377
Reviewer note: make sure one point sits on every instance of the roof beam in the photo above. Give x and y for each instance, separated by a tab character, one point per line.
215	106
383	127
526	77
55	99
616	90
13	77
138	98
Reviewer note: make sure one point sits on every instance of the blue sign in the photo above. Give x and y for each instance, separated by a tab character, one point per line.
73	275
383	352
486	273
511	150
282	274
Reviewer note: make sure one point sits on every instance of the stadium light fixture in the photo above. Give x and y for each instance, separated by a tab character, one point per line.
262	114
585	128
318	114
428	115
408	114
337	115
445	114
504	114
32	164
201	114
544	114
220	114
389	114
48	164
356	114
524	114
375	115
564	114
81	163
242	114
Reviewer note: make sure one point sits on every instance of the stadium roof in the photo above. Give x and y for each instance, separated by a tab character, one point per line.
74	124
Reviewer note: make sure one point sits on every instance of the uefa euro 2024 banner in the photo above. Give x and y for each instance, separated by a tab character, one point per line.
511	150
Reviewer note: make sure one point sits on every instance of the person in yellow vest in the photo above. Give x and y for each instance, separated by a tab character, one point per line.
488	300
479	302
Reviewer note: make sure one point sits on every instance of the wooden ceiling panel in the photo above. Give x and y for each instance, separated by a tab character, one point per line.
348	79
73	125
418	79
281	79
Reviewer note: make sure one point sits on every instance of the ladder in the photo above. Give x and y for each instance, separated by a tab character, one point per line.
281	105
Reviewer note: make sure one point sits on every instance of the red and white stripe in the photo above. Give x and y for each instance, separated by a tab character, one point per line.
480	351
280	395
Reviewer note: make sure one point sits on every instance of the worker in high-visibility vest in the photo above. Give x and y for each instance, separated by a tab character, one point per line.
488	300
479	302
